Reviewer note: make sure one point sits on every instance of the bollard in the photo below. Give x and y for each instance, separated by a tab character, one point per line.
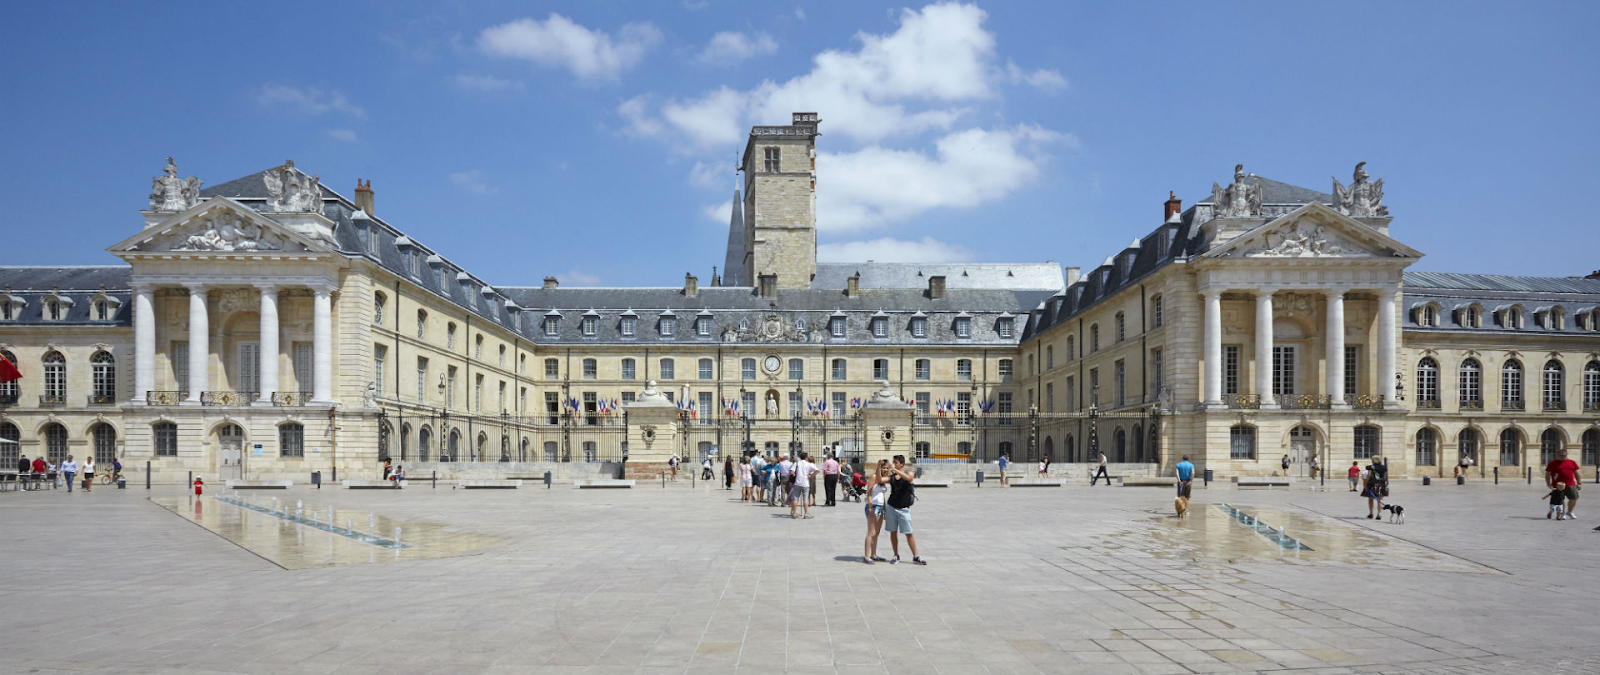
191	480
436	480
336	474
1461	480
1427	480
547	480
980	478
147	475
1497	475
663	480
1528	470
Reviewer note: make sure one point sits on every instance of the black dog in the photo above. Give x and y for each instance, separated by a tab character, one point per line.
1397	513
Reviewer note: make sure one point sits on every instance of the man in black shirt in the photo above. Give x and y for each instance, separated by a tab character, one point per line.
897	519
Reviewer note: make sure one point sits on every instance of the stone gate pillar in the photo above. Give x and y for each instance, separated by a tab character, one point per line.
888	426
652	433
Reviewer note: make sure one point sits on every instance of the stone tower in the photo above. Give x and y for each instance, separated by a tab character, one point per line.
780	205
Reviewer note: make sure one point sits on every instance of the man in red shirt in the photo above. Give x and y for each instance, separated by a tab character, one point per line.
1564	470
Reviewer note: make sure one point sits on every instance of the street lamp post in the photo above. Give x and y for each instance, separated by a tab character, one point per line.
1094	434
1033	432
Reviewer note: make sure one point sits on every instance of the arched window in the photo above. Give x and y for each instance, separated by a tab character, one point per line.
1004	447
105	378
590	454
1510	447
450	452
1072	347
923	449
377	308
1470	383
105	443
1591	387
1242	442
1121	443
1138	443
522	451
9	391
1094	338
1366	442
424	444
1428	384
10	448
1049	357
1549	445
1591	447
422	324
55	443
1156	311
483	448
1511	385
1468	442
552	452
1554	383
55	378
1050	447
1427	446
1072	450
405	442
1122	327
477	347
292	440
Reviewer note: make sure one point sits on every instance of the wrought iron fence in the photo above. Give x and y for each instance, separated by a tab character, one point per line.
1427	404
1242	401
1512	404
52	399
165	397
228	397
1368	402
1472	405
102	399
291	398
1307	402
1555	405
8	399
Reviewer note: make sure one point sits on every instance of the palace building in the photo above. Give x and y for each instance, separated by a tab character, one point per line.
270	327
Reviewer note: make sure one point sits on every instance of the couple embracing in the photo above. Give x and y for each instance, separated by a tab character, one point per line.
890	494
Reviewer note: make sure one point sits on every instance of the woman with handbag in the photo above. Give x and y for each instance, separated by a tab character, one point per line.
1376	487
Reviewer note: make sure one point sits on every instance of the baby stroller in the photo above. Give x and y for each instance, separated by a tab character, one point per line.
855	487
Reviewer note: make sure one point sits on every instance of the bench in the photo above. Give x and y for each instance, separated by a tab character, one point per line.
1268	482
258	484
372	484
1150	481
602	483
933	482
489	484
1035	482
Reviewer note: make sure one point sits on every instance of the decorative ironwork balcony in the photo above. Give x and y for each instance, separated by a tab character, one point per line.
291	398
1242	401
165	397
1512	405
8	399
1306	402
52	400
1555	405
1591	406
228	397
1428	404
102	399
1368	402
1472	405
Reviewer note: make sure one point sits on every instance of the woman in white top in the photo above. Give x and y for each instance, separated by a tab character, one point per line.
88	472
744	480
877	494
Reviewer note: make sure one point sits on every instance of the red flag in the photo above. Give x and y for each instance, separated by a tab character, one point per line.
8	370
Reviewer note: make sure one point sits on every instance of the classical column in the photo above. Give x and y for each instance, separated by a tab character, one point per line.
1213	338
144	342
199	350
322	345
269	343
1386	341
1264	346
1335	340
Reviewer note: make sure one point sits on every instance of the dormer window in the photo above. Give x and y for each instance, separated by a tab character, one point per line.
919	326
102	311
1473	319
963	328
1430	316
880	327
836	326
552	326
1007	326
669	324
702	326
628	325
591	325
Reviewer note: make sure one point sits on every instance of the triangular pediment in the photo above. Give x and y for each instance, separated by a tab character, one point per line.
222	226
1313	231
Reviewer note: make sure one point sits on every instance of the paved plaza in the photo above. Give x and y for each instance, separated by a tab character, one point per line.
687	580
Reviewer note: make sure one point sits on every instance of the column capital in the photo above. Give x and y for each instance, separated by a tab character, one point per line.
1211	292
1266	291
325	288
197	287
1335	293
266	286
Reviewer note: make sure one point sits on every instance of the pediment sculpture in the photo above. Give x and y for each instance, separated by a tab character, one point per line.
1362	199
168	192
1304	240
1239	200
228	231
292	191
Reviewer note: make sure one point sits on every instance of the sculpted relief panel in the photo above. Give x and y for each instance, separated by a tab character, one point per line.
1305	240
228	231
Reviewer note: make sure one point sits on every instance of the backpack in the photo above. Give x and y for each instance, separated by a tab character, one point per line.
906	498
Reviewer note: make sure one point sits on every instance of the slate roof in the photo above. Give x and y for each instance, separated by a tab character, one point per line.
1274	192
76	283
1453	291
1030	276
1499	282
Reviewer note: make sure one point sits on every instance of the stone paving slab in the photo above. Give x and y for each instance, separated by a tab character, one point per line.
688	580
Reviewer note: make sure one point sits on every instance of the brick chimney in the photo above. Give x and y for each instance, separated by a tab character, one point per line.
550	282
364	196
1174	206
1593	275
852	286
691	285
767	285
936	287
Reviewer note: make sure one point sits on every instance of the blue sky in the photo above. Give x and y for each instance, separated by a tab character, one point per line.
596	141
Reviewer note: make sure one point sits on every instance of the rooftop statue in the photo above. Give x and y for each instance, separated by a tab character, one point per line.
1362	199
1239	199
291	190
168	192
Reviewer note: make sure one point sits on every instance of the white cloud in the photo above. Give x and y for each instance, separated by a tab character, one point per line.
696	5
557	42
577	276
473	181
486	83
1048	80
711	175
718	213
877	186
346	135
641	119
888	249
902	83
308	100
800	13
729	47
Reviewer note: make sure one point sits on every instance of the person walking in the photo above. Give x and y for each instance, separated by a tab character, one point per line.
1185	471
1565	471
830	477
1285	463
745	485
902	494
1355	475
877	496
69	469
1463	465
1004	463
1377	487
1100	472
1313	467
727	473
1044	466
783	490
88	473
40	469
672	463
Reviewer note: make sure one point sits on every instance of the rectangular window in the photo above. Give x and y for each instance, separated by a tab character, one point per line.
1007	327
880	369
180	365
770	156
747	404
552	326
919	327
552	408
707	369
1002	405
477	394
747	369
836	326
964	369
794	404
1050	397
1119	386
839	369
797	369
628	369
706	414
591	324
964	408
963	328
450	387
502	397
922	398
166	438
1003	369
924	369
591	408
1352	372
1283	370
591	369
552	369
380	355
627	397
668	324
880	328
1242	442
1155	312
628	325
422	380
250	367
292	440
702	326
667	369
1155	372
1094	386
840	406
1366	442
1230	369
